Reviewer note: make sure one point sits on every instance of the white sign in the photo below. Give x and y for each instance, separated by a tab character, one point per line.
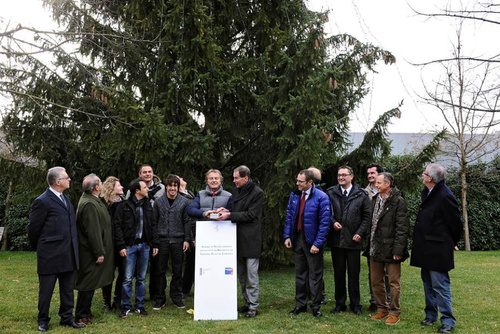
215	290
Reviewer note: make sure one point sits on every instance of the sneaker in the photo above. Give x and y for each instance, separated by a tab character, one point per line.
251	313
141	311
158	305
180	304
124	313
379	315
392	319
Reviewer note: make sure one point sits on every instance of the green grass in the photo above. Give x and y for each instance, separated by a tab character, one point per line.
475	287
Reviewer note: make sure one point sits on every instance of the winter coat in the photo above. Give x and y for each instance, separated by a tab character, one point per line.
354	217
438	229
205	201
95	239
172	221
125	224
316	218
52	232
391	234
247	205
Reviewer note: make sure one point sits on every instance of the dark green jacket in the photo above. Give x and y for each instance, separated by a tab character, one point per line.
95	239
391	235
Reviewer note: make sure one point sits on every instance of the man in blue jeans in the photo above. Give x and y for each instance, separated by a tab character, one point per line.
437	231
135	233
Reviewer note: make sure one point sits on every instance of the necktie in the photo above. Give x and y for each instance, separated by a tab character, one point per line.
63	200
301	211
345	197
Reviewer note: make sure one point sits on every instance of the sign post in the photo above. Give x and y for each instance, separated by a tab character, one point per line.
215	293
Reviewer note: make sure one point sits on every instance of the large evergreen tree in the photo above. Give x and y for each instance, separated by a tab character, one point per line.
186	86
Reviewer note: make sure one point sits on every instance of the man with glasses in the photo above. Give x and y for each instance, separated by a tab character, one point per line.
352	213
437	231
52	232
307	220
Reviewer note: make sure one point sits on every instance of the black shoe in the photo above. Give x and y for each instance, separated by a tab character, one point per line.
338	309
243	309
158	305
427	322
43	327
142	311
251	313
324	301
445	329
124	313
357	311
298	310
72	324
372	307
180	304
317	313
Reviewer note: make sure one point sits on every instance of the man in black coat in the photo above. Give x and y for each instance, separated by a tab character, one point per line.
247	203
351	220
437	231
52	232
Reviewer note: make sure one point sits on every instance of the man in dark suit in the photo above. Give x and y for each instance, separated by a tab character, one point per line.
52	232
437	231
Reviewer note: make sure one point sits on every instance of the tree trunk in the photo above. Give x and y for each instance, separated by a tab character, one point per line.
465	216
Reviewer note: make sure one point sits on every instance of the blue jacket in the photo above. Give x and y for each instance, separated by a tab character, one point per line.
316	219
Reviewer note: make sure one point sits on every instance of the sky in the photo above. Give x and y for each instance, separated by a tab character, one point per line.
389	24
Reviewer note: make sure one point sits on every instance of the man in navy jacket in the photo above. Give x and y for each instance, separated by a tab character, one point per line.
308	217
52	232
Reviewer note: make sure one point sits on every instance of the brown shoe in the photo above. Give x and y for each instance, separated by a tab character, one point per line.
392	319
379	315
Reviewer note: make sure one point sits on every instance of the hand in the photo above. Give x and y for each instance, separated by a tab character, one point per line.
397	257
207	213
288	243
225	215
155	251
123	252
185	246
314	250
337	226
100	259
356	238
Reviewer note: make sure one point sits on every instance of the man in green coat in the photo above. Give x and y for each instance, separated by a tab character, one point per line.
95	245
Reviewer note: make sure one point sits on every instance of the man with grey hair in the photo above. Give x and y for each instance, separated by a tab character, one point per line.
52	232
438	229
247	202
96	246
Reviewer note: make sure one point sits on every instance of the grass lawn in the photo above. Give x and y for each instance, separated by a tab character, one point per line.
475	287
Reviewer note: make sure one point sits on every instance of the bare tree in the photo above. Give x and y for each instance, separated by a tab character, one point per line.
467	94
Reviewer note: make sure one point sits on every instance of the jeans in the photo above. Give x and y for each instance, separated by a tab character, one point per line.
137	259
437	290
248	272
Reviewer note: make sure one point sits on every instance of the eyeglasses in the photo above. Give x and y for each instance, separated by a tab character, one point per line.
426	174
343	175
301	181
64	178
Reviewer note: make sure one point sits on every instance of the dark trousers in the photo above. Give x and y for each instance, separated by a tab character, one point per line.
188	276
308	273
166	251
346	260
108	289
46	285
84	304
153	275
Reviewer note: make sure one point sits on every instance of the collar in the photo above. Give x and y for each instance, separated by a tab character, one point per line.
57	193
348	190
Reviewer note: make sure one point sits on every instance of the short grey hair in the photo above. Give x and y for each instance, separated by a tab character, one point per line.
242	171
90	182
388	178
53	174
437	172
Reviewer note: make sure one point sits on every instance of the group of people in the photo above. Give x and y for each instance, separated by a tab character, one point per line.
373	220
154	225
